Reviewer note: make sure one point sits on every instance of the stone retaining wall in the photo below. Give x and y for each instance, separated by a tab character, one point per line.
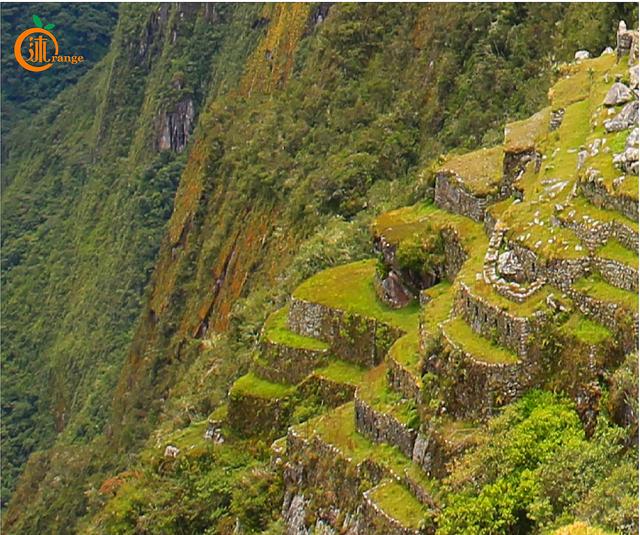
434	452
477	388
596	233
364	341
593	188
285	364
512	331
450	195
623	323
402	380
330	392
454	253
252	416
382	427
616	273
374	521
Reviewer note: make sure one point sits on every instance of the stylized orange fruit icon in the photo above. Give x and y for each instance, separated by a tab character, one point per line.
38	39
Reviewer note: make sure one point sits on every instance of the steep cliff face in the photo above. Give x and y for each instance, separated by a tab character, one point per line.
215	158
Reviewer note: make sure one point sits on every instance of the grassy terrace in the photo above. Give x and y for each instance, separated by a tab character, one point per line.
603	291
397	225
614	250
252	385
480	171
586	80
277	332
399	503
378	394
583	207
406	351
524	135
461	334
350	288
340	371
585	330
338	429
581	94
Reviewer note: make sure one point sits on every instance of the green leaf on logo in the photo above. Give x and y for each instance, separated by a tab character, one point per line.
49	26
37	21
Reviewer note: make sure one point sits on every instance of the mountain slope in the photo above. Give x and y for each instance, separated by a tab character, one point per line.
313	120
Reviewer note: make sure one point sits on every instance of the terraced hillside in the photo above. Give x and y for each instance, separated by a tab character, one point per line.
412	353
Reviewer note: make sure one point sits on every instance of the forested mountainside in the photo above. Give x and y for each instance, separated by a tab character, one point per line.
466	364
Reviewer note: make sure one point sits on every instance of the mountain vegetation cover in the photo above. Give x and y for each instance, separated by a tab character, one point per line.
171	210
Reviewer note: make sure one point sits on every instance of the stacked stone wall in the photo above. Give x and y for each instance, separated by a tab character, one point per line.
285	364
354	338
595	190
403	380
374	521
330	392
623	323
616	273
489	320
476	389
382	427
255	416
450	195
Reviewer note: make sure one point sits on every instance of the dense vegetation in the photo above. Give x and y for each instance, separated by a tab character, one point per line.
81	29
112	291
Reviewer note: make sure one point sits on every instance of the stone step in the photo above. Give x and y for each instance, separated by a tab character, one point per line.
339	306
390	509
285	356
481	376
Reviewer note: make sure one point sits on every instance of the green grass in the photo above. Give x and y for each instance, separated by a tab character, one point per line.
338	429
399	503
480	171
399	224
476	345
614	250
600	289
350	288
406	350
340	371
585	330
377	393
583	207
252	385
277	332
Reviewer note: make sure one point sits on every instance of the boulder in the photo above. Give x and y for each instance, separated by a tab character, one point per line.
395	294
607	51
582	54
508	264
627	118
618	94
633	77
171	452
